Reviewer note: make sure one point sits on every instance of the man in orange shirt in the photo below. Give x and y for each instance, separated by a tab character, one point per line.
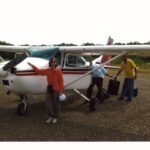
55	87
130	70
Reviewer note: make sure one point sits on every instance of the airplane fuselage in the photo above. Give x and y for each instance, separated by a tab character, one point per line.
24	80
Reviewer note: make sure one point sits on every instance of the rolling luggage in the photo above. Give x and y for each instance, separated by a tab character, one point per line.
135	92
113	87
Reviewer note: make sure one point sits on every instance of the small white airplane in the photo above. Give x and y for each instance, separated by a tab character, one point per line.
75	61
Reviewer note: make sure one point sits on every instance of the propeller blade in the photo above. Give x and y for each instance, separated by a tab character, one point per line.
15	61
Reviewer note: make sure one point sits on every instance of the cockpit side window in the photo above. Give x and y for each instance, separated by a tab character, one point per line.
76	61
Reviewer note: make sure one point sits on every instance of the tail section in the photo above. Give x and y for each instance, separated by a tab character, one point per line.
107	57
110	41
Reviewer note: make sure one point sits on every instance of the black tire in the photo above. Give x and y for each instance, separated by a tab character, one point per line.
21	109
92	104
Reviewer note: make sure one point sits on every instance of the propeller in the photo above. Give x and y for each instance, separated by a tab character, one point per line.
11	64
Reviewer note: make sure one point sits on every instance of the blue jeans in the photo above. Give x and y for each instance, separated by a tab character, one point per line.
128	88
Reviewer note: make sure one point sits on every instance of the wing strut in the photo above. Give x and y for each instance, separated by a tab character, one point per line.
81	94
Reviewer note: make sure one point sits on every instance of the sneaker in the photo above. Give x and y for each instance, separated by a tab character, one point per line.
54	120
129	99
49	120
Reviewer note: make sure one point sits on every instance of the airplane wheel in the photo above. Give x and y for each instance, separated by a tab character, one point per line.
92	104
22	109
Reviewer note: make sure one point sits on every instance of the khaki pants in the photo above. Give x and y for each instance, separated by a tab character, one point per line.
52	104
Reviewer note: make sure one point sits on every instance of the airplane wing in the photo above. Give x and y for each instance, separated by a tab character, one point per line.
14	48
114	49
134	49
142	50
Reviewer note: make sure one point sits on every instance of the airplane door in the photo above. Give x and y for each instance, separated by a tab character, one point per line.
76	66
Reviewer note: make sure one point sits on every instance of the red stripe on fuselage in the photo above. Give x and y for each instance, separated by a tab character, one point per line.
71	72
26	74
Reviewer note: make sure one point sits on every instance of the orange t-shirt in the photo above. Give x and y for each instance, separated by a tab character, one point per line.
54	77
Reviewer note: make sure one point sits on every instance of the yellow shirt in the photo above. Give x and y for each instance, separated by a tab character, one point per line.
128	68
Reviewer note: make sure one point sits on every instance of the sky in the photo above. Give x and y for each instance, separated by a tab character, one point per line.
50	22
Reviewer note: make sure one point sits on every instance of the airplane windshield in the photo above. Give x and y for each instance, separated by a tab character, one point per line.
45	52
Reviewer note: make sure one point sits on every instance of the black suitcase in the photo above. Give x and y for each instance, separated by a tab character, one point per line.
135	92
113	87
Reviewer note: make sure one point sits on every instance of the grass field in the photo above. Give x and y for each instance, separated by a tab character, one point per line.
112	121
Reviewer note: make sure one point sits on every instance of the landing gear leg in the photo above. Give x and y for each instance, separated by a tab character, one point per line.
22	108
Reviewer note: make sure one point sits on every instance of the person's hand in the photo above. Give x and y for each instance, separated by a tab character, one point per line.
29	64
60	93
111	76
135	77
115	77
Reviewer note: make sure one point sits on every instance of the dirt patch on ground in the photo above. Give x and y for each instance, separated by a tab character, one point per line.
112	121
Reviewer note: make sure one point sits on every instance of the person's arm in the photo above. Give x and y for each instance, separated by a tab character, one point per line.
118	73
37	70
135	69
108	75
106	72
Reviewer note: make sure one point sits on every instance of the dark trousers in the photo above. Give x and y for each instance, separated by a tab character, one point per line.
94	81
128	87
52	104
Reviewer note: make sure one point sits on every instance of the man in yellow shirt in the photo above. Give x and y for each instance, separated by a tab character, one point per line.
130	69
